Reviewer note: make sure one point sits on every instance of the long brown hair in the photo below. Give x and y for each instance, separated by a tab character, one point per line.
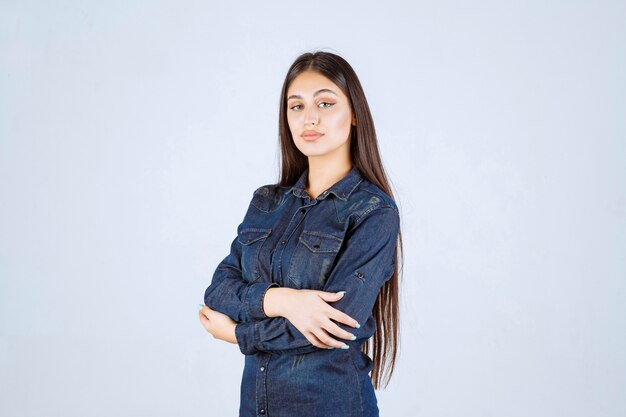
366	157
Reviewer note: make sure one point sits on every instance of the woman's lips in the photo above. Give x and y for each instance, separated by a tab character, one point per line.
311	137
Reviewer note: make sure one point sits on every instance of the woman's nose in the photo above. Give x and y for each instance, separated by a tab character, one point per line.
311	117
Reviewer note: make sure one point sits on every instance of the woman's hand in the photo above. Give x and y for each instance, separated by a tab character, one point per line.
218	324
309	312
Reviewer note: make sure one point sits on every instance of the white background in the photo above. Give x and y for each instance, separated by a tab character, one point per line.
132	135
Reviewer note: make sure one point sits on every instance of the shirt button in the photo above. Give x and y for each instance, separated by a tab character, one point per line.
302	210
283	242
262	411
262	368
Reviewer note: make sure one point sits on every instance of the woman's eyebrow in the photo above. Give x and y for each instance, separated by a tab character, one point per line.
323	90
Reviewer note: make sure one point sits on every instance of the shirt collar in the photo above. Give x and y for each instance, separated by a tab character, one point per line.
342	188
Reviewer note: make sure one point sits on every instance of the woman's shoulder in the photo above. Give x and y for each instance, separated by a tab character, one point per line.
268	197
369	196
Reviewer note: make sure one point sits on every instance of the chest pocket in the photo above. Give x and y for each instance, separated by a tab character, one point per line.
251	240
312	259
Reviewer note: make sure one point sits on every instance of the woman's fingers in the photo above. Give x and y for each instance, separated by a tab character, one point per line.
342	317
335	330
206	323
335	314
330	296
325	338
315	341
205	314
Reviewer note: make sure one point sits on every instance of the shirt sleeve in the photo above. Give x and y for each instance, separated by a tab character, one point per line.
229	293
366	262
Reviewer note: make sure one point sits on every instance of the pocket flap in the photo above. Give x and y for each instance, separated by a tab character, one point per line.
251	235
320	242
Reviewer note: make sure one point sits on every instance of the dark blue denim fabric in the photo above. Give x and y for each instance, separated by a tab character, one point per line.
345	239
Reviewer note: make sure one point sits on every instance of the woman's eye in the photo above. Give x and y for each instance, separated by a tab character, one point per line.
323	102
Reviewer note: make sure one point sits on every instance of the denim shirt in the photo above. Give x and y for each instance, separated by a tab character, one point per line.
343	240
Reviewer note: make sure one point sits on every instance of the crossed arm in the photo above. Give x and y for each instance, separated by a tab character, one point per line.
364	264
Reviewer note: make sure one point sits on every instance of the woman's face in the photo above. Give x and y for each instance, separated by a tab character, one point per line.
314	103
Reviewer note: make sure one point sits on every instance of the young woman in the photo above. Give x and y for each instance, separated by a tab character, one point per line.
313	274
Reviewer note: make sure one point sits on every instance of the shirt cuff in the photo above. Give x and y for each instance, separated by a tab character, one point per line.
254	299
245	333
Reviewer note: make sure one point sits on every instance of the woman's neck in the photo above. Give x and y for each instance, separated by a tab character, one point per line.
322	176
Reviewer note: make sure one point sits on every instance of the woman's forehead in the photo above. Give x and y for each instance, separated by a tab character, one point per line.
311	83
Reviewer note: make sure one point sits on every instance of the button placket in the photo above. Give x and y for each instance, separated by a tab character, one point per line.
296	219
261	384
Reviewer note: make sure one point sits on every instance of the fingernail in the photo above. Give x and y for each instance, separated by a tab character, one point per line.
358	326
330	347
345	347
353	337
341	292
200	307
